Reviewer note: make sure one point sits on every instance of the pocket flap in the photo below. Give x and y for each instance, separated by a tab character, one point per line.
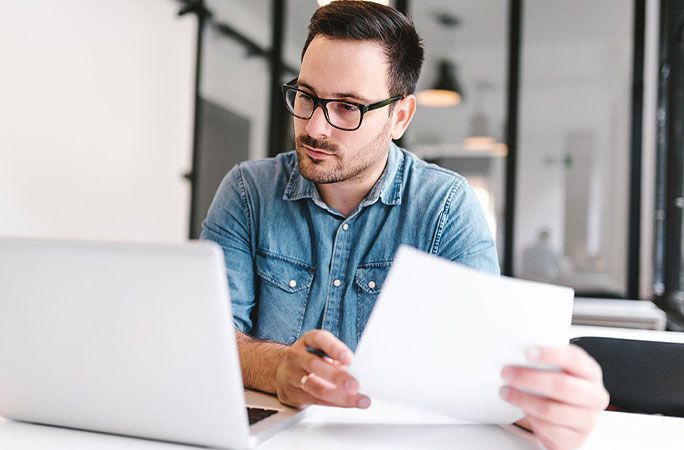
371	276
286	273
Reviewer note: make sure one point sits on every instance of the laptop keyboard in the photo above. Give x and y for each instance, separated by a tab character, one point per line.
257	414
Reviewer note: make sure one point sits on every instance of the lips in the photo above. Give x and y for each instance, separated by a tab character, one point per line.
316	153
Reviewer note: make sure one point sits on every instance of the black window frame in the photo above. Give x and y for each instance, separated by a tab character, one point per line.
668	239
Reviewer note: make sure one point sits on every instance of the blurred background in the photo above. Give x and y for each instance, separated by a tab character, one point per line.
118	119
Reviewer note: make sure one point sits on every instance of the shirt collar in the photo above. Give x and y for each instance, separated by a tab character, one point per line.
388	187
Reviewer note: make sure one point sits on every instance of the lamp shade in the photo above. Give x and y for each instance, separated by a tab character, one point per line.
446	90
479	138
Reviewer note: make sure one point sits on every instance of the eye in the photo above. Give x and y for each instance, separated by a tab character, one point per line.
346	107
303	96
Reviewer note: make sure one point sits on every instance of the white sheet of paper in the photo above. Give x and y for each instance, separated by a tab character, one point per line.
440	333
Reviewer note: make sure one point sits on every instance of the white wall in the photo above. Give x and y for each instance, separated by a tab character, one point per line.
96	110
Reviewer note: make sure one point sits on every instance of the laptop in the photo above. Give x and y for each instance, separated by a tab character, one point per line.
126	338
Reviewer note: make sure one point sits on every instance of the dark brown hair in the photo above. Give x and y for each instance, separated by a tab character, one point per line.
356	20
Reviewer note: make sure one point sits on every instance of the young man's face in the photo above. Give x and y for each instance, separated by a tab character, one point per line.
352	71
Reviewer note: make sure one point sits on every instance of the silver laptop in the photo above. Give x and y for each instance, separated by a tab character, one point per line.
130	339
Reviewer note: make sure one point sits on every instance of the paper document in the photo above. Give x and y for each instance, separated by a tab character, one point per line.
440	333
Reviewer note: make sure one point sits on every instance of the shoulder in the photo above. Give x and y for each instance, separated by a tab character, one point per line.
264	177
429	178
266	171
250	180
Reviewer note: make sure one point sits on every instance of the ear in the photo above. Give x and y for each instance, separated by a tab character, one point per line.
402	115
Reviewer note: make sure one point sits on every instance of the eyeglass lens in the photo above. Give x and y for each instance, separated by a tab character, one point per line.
339	114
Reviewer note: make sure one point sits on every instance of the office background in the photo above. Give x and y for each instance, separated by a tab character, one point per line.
119	118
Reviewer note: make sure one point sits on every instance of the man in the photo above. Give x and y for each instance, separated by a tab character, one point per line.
310	235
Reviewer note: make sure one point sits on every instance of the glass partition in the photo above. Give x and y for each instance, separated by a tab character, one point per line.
571	212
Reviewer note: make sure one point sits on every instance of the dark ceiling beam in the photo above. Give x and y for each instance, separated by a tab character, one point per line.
253	48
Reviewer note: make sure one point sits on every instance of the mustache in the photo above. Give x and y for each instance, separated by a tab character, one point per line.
305	139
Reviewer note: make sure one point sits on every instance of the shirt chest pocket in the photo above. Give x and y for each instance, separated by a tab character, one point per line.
368	281
284	285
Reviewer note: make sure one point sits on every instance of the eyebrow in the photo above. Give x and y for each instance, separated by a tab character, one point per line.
336	94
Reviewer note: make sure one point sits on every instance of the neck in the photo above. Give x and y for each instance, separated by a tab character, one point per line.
345	196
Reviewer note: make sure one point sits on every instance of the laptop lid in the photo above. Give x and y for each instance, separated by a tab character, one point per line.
132	339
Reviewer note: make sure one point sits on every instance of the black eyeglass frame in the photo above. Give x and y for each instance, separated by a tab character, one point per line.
323	103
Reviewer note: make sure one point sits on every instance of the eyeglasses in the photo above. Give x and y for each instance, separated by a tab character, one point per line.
343	115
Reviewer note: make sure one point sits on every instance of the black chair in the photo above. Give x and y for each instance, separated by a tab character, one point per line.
640	376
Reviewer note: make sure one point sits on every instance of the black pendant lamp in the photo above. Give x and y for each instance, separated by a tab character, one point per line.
446	91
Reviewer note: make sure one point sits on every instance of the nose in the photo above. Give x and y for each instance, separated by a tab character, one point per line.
317	127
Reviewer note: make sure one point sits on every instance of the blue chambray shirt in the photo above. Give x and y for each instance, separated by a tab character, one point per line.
295	264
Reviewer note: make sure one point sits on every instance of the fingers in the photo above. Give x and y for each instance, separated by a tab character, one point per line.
571	358
295	395
290	389
327	342
331	369
561	406
551	411
322	389
554	437
306	378
558	386
325	368
318	390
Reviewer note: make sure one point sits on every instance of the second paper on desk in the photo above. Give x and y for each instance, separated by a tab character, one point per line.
440	333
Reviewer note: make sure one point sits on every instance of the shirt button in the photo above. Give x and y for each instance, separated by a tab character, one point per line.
345	227
371	284
337	283
293	283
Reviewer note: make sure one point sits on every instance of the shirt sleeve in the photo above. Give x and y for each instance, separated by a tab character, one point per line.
464	236
229	224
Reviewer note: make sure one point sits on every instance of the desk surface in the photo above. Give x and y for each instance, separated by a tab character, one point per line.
614	430
625	333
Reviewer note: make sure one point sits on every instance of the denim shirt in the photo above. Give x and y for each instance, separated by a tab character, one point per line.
295	264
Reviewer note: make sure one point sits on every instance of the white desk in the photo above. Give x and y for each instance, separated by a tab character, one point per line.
625	333
614	430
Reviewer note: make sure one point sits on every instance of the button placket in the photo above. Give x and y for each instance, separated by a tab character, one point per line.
339	257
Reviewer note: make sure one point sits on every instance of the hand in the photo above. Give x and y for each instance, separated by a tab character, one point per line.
565	405
303	378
